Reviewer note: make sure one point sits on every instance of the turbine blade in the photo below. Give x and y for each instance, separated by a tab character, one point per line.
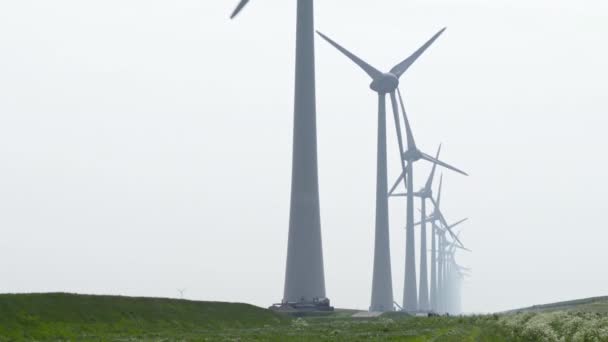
411	143
445	224
402	67
438	194
401	194
463	248
429	181
453	249
401	177
454	236
427	220
437	161
459	223
239	8
399	136
370	70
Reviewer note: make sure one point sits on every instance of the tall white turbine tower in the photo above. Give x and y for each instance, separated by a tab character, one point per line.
304	275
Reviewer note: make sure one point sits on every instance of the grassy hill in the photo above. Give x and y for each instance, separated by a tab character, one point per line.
592	305
68	316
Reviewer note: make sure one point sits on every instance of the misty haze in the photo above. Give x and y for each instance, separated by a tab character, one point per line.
347	170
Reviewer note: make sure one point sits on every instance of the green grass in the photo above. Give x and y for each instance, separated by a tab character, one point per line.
66	317
78	317
53	317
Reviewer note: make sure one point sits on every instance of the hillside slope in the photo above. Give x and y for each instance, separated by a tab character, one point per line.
69	316
593	305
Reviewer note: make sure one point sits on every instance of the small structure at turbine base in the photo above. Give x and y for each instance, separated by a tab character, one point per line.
316	305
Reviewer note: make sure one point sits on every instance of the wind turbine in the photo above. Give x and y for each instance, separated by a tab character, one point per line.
443	284
383	84
304	276
438	231
446	283
425	193
446	288
454	275
438	297
443	281
412	155
461	274
438	216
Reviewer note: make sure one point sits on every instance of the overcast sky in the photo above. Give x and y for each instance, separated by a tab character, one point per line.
145	146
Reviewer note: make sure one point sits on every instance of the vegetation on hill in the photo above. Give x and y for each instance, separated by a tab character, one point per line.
556	326
77	317
592	305
53	317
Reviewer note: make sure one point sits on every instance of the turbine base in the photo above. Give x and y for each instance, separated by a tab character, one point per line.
317	305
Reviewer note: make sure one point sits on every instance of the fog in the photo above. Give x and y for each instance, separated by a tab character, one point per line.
145	146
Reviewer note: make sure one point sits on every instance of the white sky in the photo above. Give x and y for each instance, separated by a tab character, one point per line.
145	146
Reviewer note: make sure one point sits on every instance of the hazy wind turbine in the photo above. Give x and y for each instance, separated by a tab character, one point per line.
383	84
443	284
460	276
449	293
304	276
439	270
425	193
437	231
446	249
412	155
438	216
454	275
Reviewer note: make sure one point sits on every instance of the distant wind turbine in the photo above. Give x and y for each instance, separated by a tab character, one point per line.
454	275
439	231
425	193
412	155
181	293
383	84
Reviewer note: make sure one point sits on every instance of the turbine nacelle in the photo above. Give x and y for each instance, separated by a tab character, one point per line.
412	155
385	84
425	193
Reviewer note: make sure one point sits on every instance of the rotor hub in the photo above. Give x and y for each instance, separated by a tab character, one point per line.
385	84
